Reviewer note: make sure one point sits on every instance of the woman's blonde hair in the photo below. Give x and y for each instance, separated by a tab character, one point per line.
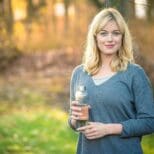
92	59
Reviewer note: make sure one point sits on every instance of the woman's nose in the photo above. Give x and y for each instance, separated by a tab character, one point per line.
110	37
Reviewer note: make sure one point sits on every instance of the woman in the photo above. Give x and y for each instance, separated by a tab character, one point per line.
119	92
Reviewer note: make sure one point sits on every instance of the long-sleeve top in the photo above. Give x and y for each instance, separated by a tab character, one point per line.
125	98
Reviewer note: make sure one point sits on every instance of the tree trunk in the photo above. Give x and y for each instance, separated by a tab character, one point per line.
150	10
8	15
66	4
131	10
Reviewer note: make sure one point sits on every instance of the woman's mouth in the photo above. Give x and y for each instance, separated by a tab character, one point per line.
109	46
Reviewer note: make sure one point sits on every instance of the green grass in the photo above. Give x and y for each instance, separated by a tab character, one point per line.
43	131
148	144
36	132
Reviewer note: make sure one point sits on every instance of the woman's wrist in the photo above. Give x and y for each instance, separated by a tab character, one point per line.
114	129
72	123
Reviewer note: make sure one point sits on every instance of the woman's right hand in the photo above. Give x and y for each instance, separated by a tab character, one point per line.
74	114
75	111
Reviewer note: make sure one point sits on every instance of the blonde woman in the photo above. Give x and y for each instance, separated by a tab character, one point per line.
119	92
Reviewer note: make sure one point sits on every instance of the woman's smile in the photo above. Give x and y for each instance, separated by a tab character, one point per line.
110	46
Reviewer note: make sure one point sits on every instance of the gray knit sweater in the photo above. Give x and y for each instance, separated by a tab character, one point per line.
125	98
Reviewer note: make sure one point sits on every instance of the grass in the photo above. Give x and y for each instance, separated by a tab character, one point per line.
43	131
40	131
148	144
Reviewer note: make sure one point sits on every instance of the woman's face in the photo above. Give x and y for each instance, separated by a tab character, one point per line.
109	39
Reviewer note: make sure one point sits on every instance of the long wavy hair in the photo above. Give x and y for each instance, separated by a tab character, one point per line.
92	57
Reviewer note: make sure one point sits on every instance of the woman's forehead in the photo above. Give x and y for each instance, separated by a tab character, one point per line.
112	24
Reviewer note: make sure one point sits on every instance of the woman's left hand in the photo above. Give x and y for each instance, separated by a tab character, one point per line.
94	130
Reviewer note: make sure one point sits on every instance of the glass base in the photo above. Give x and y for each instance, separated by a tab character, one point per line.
81	123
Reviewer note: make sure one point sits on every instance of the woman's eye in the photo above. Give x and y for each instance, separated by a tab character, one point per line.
103	33
116	33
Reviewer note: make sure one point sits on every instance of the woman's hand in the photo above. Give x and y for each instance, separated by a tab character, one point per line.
96	130
75	111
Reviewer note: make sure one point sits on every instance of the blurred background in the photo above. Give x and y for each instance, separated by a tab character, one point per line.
41	41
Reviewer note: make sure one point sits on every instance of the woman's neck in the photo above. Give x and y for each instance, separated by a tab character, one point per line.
106	60
105	68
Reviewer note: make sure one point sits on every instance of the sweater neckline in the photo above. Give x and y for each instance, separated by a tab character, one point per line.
105	82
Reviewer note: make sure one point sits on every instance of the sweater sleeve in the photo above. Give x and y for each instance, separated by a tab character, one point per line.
72	93
144	104
72	83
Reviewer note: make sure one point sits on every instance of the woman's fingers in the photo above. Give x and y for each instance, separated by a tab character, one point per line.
88	131
93	130
75	108
74	103
84	128
76	115
81	128
75	111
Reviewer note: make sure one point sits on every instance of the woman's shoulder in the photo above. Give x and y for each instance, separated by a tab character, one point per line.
136	70
78	69
135	73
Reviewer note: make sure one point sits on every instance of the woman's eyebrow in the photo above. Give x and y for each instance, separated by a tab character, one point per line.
116	30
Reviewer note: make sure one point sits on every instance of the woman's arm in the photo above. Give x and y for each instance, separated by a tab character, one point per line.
74	109
144	107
